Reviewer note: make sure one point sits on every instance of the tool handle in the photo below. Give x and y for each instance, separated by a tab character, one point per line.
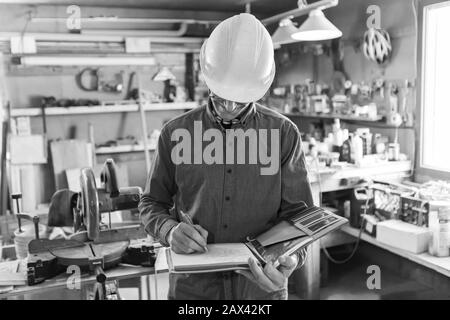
34	219
100	275
109	178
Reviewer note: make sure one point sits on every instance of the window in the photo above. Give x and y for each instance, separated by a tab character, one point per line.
435	90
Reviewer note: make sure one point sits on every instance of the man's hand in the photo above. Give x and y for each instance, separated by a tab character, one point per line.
269	278
185	238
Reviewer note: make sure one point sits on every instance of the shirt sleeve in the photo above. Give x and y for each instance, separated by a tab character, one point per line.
160	188
295	186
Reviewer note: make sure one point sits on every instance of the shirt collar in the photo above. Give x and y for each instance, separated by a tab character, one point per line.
242	119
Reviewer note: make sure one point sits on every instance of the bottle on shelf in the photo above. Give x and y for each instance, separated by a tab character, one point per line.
357	148
346	150
338	136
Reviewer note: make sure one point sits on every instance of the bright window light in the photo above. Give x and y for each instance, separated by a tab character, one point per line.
435	133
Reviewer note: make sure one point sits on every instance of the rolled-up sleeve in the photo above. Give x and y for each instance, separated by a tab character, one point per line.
160	188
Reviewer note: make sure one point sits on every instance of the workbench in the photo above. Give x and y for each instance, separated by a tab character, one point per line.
121	272
439	264
324	179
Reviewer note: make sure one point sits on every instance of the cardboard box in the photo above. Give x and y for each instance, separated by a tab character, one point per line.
402	235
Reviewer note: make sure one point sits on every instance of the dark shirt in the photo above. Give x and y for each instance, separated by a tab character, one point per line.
230	200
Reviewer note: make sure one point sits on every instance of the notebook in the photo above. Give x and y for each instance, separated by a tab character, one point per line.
300	228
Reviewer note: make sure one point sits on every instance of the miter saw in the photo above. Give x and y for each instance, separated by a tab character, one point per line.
93	246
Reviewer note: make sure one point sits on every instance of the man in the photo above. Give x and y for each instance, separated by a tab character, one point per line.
220	186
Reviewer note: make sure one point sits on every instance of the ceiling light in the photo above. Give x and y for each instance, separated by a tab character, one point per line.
284	32
317	27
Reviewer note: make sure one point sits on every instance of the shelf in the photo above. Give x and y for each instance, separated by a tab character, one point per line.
123	149
55	111
370	122
438	264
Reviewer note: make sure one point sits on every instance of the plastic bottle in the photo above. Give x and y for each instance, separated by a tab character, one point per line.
439	225
346	150
338	136
357	149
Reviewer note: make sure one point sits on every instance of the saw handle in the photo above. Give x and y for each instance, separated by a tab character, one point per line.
100	275
109	178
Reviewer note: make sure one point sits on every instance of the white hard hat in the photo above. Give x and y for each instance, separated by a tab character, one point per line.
237	59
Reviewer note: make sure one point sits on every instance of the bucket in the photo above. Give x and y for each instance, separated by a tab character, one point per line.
21	239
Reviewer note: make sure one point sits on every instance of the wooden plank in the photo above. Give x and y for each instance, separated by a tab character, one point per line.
69	154
122	271
28	149
123	149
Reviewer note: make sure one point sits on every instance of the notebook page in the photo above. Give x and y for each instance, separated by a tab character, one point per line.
223	254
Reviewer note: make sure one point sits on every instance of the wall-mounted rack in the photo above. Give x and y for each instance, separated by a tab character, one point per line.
377	122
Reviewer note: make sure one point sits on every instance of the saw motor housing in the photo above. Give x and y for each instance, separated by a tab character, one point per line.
83	210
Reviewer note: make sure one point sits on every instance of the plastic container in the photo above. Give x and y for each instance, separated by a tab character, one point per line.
21	239
357	148
439	225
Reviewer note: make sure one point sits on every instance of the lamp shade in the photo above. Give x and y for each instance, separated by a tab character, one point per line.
283	34
163	74
317	27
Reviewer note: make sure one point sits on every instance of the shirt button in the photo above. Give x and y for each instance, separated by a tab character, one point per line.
229	170
227	198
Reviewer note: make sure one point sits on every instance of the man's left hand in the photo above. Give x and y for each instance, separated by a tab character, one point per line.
269	278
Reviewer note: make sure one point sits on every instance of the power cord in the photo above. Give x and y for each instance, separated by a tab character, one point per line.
355	248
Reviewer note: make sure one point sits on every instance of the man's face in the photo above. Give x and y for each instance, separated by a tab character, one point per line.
227	109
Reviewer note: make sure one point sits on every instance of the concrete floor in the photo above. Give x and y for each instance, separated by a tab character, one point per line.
348	281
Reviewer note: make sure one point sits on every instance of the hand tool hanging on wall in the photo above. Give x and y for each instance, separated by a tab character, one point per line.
132	93
91	79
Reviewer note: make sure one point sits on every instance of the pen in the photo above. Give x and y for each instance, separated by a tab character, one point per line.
188	220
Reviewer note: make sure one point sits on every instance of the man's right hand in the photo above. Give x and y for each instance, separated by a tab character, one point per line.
185	238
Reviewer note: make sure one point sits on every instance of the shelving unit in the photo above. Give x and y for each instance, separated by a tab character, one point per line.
55	111
351	119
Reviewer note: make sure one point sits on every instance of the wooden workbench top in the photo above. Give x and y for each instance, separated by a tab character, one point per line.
352	171
122	271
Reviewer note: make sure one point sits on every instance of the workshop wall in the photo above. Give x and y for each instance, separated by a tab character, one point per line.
350	17
26	86
402	30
